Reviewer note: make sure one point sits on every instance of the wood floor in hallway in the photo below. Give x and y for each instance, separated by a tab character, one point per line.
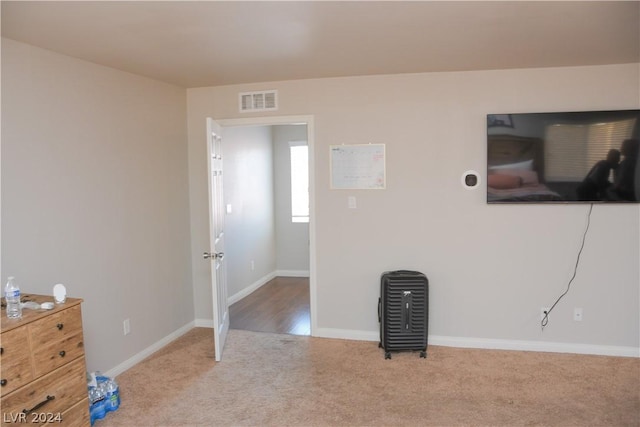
280	306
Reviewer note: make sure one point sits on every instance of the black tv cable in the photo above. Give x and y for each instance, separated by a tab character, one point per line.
545	319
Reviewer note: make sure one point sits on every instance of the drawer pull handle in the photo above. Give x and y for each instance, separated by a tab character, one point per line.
3	382
1	350
60	326
62	353
39	405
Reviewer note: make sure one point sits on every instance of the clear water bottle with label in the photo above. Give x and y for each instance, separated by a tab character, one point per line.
97	403
112	395
12	298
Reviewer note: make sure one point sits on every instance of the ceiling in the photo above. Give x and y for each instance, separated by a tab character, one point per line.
211	43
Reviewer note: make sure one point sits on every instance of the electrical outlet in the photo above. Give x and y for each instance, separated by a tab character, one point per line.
577	314
543	312
126	326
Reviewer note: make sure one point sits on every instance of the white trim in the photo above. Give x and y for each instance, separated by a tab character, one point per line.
492	344
251	288
542	346
292	273
203	323
139	357
347	334
265	121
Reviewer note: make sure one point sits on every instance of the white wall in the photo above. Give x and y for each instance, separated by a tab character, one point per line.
292	239
491	267
250	230
95	196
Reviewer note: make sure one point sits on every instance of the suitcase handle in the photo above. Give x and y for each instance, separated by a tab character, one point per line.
379	310
406	272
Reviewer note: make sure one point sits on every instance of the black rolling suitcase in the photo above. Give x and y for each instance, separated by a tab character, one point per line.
403	312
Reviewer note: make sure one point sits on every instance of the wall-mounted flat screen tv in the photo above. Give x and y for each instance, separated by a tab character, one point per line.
564	157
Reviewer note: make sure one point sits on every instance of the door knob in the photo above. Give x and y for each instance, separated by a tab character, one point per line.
213	255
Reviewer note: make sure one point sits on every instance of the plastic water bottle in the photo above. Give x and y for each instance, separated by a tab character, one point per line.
97	408
112	395
12	297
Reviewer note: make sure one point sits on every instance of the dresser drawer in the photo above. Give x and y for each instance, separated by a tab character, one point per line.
15	366
56	327
56	354
56	340
76	416
53	393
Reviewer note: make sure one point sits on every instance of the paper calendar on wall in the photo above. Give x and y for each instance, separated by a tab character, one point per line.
360	166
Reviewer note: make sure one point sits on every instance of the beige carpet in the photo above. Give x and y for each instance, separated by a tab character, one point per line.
285	380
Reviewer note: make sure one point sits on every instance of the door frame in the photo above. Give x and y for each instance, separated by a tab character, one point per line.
288	120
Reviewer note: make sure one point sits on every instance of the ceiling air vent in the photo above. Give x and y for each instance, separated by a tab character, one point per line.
259	101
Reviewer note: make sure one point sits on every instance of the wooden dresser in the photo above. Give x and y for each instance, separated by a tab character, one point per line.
42	370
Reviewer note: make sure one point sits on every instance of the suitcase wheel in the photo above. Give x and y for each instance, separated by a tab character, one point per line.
423	354
387	355
379	345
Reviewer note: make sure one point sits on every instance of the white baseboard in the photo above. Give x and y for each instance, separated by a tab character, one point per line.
492	344
346	334
251	288
292	273
542	346
263	281
114	372
203	323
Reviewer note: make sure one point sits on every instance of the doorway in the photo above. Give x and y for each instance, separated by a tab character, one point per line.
264	296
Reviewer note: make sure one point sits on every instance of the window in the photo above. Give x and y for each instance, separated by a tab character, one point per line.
299	181
572	149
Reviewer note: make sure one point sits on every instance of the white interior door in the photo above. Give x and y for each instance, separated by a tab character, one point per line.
216	227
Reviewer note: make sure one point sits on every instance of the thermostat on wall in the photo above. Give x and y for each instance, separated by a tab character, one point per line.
470	180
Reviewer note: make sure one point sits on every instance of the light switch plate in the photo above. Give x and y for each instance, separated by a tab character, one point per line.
351	202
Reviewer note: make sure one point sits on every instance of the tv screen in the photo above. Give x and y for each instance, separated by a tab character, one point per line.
564	157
